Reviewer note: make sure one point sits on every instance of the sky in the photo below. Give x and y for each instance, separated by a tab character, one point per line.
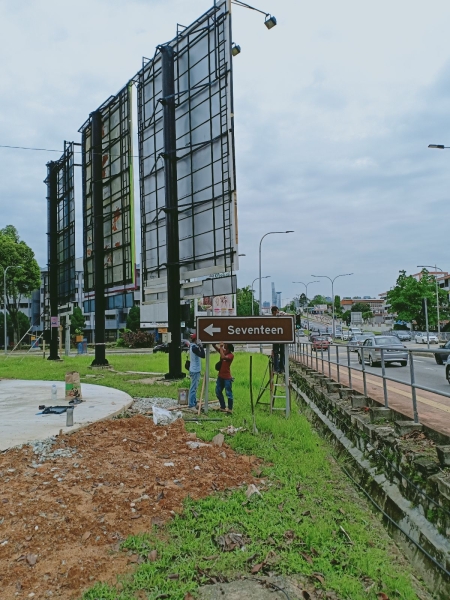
334	110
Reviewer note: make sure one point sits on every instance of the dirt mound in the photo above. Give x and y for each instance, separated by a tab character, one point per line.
64	513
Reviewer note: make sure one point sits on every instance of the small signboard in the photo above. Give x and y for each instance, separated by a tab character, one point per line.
54	321
356	318
244	330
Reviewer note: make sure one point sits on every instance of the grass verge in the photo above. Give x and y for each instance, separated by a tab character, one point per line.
308	519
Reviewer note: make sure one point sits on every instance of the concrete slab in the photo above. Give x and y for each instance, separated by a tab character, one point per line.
19	401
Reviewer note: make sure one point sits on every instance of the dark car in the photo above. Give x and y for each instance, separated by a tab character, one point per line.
441	357
165	347
403	336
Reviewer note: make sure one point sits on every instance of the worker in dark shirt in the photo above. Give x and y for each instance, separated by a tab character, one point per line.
224	377
277	349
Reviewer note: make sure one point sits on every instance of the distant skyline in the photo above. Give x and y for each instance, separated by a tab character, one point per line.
334	110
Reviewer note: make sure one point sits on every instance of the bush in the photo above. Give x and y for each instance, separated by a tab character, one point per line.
137	339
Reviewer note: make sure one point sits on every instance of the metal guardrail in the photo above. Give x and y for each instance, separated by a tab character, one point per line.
304	351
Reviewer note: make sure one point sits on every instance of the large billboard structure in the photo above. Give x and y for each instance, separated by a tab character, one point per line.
108	212
186	160
117	195
204	139
61	174
61	237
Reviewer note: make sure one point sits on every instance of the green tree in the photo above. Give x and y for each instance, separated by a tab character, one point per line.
405	299
20	282
77	322
337	306
347	317
302	300
134	318
361	307
318	300
244	302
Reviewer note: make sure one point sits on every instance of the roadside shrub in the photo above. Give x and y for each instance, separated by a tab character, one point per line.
137	339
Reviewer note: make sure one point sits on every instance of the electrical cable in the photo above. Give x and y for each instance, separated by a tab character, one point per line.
60	151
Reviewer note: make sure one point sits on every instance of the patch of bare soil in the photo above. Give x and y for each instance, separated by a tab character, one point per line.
61	523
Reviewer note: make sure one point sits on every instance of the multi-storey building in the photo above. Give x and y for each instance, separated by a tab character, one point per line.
118	305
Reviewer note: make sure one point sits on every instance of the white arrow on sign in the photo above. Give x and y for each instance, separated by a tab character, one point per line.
211	330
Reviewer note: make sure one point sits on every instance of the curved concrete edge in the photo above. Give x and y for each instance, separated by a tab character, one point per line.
19	401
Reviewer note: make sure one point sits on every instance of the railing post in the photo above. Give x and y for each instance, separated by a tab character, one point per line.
321	356
413	387
337	364
317	360
329	363
349	369
363	363
383	372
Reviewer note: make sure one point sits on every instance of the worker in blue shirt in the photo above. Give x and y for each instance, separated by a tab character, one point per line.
196	353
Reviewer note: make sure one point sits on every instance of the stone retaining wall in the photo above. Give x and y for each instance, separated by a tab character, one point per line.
394	462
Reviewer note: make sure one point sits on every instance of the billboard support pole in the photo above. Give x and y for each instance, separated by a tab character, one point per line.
99	271
171	210
52	198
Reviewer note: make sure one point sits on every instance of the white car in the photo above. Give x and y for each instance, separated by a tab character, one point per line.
345	335
421	338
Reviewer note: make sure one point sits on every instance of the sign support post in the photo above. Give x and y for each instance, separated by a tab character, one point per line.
286	377
171	210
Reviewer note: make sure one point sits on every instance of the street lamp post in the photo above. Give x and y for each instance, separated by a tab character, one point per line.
266	277
437	291
306	294
4	302
332	293
260	286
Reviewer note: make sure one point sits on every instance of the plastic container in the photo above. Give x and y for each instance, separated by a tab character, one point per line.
54	394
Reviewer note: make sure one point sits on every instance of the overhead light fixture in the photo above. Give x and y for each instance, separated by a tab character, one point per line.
438	146
270	22
235	49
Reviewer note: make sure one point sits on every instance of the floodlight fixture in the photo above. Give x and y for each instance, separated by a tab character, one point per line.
437	146
269	21
235	49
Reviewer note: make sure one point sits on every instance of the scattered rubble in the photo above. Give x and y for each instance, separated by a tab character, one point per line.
70	500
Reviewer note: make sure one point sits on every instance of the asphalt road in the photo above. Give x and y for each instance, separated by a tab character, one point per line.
426	371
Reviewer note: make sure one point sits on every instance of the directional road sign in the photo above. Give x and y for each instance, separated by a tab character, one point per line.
242	330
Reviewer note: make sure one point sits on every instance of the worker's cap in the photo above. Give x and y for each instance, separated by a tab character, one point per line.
193	336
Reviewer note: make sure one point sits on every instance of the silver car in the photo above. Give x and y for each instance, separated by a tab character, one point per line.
358	340
393	351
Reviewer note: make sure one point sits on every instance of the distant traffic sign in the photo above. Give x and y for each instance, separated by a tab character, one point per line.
242	330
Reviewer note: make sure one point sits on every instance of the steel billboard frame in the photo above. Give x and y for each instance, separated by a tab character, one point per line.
206	204
119	254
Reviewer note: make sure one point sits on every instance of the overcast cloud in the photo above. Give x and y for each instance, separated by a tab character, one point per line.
334	109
